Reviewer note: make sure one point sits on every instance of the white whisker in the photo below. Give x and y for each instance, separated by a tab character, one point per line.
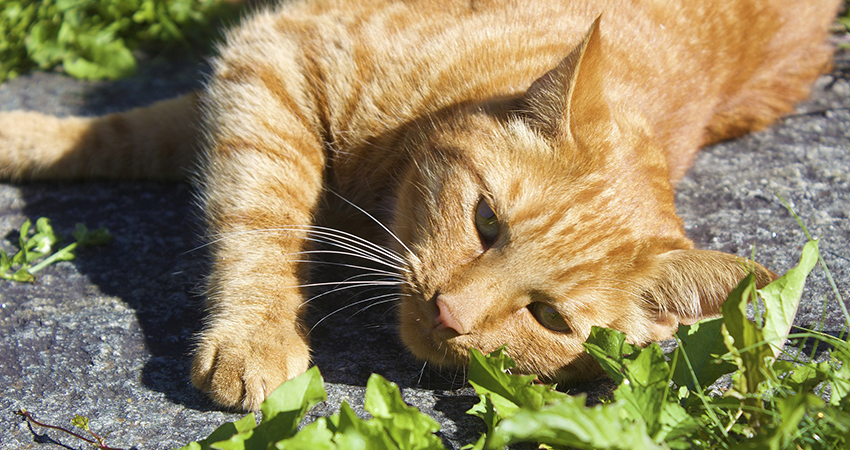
354	239
369	270
355	255
352	283
410	252
370	299
371	305
339	238
343	288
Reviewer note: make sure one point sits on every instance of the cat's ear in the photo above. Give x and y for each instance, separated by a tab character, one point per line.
571	93
689	285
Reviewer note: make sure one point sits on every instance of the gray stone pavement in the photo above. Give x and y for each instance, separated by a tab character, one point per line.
107	336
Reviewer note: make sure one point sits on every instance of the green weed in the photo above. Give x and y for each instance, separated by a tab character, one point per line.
95	39
37	249
660	401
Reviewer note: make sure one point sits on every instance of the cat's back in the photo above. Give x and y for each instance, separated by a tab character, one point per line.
375	64
380	63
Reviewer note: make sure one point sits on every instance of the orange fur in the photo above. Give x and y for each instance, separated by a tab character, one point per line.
571	120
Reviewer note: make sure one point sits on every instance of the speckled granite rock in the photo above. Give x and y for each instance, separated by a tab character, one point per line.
107	336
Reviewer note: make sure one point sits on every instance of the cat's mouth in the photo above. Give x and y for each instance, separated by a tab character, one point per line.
433	335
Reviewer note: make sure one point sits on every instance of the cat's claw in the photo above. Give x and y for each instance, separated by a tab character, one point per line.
240	371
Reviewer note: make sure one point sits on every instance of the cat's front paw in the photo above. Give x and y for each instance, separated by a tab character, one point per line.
239	368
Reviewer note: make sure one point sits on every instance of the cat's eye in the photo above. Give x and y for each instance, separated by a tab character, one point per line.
486	223
549	317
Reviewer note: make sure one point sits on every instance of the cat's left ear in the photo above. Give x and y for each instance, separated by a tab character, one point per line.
567	102
689	285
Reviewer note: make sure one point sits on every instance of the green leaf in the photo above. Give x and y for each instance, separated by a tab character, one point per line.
569	423
42	242
21	275
840	377
22	258
703	345
282	411
486	411
287	405
223	433
782	297
351	431
643	374
508	393
677	426
80	422
792	409
86	237
744	340
100	56
801	377
408	427
315	436
608	347
5	262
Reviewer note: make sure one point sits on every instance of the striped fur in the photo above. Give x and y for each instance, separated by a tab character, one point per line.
575	138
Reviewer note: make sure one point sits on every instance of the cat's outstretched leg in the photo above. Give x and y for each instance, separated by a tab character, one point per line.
261	185
157	142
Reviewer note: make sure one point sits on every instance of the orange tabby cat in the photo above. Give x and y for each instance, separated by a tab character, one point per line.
526	152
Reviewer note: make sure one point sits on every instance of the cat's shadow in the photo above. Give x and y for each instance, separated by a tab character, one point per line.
156	265
153	265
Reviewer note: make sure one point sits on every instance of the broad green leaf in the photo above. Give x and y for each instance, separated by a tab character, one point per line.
608	348
801	377
841	377
287	405
703	345
351	431
508	393
643	375
408	427
677	426
782	297
22	275
570	423
744	340
42	46
315	436
486	411
282	411
224	432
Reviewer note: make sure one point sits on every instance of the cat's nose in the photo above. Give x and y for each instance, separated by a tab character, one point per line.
445	319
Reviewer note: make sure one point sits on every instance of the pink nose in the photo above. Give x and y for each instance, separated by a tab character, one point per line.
445	319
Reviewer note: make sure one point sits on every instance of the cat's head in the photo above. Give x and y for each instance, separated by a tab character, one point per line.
530	220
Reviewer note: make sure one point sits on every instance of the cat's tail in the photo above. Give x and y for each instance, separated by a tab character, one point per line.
157	142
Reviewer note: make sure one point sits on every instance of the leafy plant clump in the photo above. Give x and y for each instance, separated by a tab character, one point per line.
95	39
37	249
660	401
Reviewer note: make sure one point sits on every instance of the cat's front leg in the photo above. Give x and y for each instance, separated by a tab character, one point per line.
253	339
262	184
